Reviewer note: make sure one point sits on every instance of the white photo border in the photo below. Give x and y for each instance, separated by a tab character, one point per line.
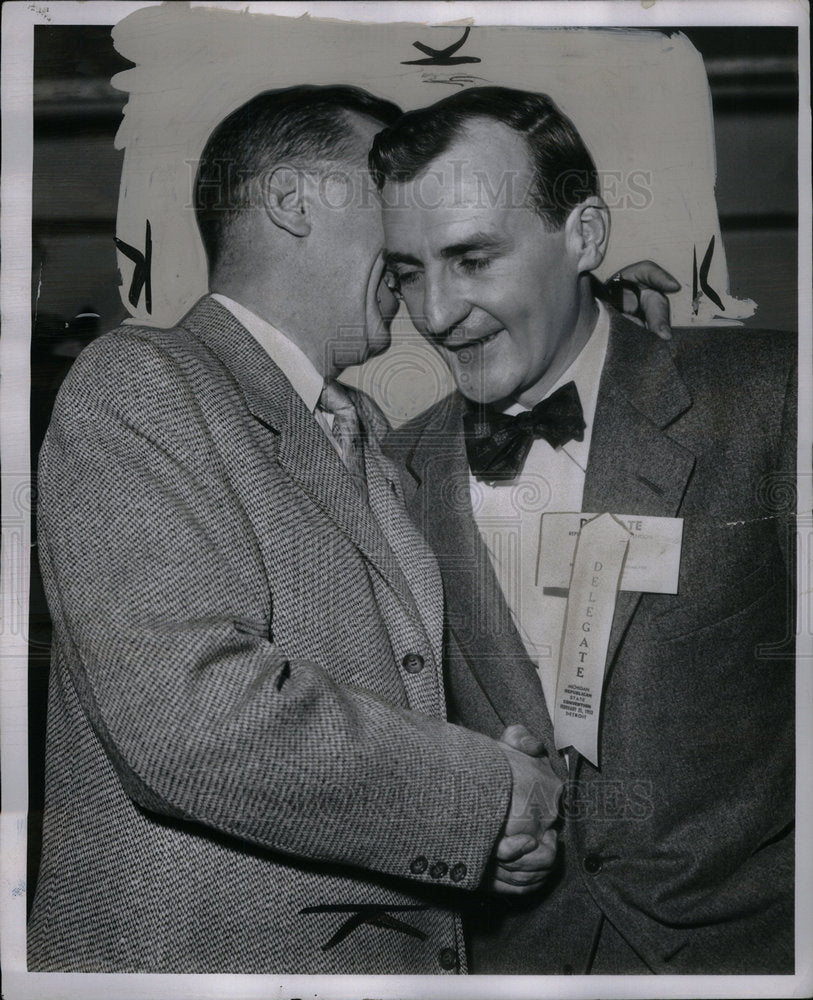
18	22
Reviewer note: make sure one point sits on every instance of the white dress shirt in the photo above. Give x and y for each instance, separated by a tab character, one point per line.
508	515
294	364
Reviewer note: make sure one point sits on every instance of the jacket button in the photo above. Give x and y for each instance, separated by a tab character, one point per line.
418	865
458	872
412	663
448	959
592	864
438	869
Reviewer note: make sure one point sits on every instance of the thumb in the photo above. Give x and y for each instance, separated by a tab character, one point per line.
514	847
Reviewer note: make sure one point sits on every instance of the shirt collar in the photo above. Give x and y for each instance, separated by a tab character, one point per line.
586	367
585	370
294	364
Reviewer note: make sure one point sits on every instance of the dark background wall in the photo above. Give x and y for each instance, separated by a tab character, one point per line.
754	87
753	79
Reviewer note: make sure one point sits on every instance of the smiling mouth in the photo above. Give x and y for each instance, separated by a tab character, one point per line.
467	345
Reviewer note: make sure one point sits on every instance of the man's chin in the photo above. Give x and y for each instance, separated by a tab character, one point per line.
483	394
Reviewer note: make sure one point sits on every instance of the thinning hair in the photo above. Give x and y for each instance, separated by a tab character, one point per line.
564	171
304	127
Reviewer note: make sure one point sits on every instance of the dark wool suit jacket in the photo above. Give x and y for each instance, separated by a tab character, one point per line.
677	853
247	745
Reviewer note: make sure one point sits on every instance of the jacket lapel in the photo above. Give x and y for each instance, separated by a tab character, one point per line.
410	548
437	494
634	466
303	452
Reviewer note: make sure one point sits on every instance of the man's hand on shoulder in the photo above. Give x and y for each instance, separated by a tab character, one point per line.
526	851
639	290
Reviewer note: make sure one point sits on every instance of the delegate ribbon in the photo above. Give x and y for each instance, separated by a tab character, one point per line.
598	563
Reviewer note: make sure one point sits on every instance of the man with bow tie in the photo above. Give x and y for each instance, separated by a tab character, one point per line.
677	836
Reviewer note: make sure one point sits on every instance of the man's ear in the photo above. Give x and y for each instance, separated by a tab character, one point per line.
587	230
285	200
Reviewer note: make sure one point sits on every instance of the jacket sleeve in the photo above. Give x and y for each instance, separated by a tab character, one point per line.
160	599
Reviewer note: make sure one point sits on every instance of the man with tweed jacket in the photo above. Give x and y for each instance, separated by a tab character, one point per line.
677	849
249	767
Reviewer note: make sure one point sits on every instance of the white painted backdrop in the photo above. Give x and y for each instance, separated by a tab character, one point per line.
640	99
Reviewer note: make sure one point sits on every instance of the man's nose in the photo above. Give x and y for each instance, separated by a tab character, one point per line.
444	307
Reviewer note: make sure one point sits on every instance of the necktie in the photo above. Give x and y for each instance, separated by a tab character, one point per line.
347	431
497	444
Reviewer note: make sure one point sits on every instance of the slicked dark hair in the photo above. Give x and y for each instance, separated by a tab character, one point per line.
564	171
304	126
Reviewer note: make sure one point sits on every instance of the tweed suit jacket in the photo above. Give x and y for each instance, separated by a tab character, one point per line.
247	744
677	851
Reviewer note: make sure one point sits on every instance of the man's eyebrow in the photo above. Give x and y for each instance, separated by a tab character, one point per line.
393	257
473	243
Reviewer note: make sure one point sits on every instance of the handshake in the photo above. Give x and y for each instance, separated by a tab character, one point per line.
526	851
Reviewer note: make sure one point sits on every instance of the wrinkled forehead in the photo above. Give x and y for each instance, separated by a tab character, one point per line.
487	167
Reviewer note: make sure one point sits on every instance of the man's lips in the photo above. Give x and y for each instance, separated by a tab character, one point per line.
456	345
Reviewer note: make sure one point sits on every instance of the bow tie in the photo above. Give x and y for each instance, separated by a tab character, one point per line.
497	444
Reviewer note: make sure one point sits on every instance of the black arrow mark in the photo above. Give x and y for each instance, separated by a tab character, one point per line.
374	915
442	57
705	266
141	273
